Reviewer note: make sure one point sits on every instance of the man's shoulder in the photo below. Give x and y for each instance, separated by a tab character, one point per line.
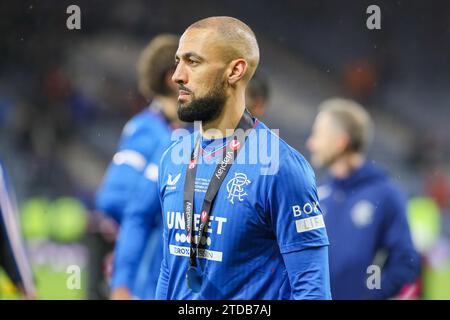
384	181
392	191
284	156
144	122
273	137
179	149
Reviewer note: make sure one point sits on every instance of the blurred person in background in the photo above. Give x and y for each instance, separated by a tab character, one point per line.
257	95
128	193
13	257
365	211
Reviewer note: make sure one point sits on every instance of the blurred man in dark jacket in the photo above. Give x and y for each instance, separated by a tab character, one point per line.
365	211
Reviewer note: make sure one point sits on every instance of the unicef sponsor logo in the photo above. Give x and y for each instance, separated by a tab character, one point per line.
183	238
175	220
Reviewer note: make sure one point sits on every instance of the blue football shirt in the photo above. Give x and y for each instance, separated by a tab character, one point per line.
265	215
144	139
129	194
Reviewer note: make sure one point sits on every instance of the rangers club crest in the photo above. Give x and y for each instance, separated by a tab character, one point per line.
235	187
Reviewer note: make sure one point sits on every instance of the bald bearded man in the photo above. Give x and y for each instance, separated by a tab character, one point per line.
234	228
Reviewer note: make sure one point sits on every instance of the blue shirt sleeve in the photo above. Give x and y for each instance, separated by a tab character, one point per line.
299	227
308	273
136	148
134	231
163	280
294	208
403	262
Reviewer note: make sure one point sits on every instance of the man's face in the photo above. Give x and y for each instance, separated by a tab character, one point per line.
200	75
326	142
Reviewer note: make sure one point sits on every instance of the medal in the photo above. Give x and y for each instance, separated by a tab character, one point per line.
194	279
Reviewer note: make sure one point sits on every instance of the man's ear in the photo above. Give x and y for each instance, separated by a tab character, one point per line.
238	69
344	142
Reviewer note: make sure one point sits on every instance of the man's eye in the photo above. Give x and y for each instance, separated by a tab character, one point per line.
192	62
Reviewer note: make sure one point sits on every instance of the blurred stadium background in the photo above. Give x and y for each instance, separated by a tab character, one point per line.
65	96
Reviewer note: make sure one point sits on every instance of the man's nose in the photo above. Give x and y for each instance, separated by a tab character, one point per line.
179	76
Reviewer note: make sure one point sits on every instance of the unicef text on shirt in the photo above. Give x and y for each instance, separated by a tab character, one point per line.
261	148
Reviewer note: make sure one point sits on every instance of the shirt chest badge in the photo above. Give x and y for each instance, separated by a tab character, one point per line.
236	187
362	213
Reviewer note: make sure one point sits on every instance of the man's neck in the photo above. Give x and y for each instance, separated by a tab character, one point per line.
227	121
346	164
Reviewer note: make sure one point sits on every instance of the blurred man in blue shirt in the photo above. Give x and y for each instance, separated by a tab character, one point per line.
128	192
365	211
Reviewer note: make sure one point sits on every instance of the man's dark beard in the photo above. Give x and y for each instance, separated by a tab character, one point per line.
206	108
